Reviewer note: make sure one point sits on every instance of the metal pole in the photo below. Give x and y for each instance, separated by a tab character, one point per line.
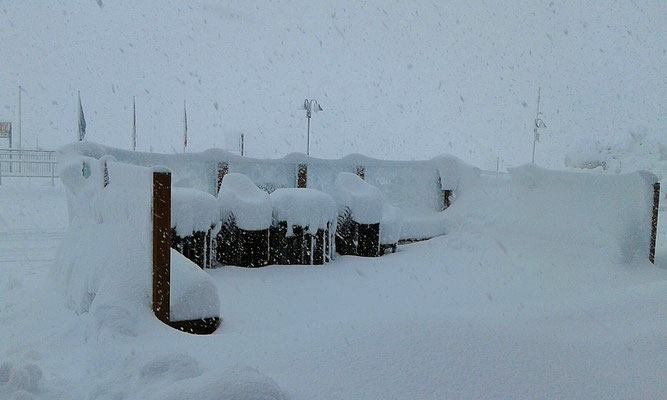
134	124
19	130
537	116
308	138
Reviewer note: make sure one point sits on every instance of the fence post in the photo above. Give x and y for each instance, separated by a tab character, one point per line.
360	171
302	176
223	168
161	217
654	221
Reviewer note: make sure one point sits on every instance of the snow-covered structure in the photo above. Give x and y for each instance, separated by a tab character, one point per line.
304	222
359	213
415	187
246	215
194	214
106	263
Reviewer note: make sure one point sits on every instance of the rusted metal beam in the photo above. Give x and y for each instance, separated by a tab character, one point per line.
161	249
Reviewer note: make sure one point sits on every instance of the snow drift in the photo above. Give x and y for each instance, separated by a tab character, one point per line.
105	261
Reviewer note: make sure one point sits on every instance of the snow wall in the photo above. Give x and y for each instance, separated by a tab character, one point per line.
104	264
583	212
415	187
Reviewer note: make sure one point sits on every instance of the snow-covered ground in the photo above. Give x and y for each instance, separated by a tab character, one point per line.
484	312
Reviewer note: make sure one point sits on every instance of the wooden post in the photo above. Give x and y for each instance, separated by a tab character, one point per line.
360	171
302	176
654	221
161	244
223	168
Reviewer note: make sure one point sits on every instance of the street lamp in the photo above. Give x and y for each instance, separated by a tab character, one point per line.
310	106
538	123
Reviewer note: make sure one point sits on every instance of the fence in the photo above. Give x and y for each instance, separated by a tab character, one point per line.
28	164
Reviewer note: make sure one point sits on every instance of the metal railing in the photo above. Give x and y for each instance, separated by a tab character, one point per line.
28	164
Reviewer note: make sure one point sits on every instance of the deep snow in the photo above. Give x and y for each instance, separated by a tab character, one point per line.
483	312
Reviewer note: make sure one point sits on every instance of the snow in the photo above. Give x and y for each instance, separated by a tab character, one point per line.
193	211
192	292
362	199
529	294
390	224
249	205
308	208
104	265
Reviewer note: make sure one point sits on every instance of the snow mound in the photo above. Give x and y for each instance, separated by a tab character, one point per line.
303	207
104	265
234	383
610	214
362	199
192	211
192	292
248	204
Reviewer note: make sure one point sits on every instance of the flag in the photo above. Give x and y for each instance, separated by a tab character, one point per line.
134	124
82	121
185	127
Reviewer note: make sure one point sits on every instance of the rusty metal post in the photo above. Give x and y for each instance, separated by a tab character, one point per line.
302	176
654	221
360	171
161	244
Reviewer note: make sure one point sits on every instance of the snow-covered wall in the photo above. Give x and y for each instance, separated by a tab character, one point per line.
609	213
413	186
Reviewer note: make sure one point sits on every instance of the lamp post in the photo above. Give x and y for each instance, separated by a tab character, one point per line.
538	123
310	106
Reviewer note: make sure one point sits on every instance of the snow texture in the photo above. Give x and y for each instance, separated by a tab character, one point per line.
193	211
308	208
249	205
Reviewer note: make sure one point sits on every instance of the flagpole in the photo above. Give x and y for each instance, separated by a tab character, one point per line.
134	124
185	126
19	127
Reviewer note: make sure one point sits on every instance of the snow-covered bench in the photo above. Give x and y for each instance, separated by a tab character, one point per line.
246	214
359	215
193	214
303	224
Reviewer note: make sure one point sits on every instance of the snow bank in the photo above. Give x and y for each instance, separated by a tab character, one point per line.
234	383
308	208
362	199
192	292
248	204
105	261
598	209
608	213
192	210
